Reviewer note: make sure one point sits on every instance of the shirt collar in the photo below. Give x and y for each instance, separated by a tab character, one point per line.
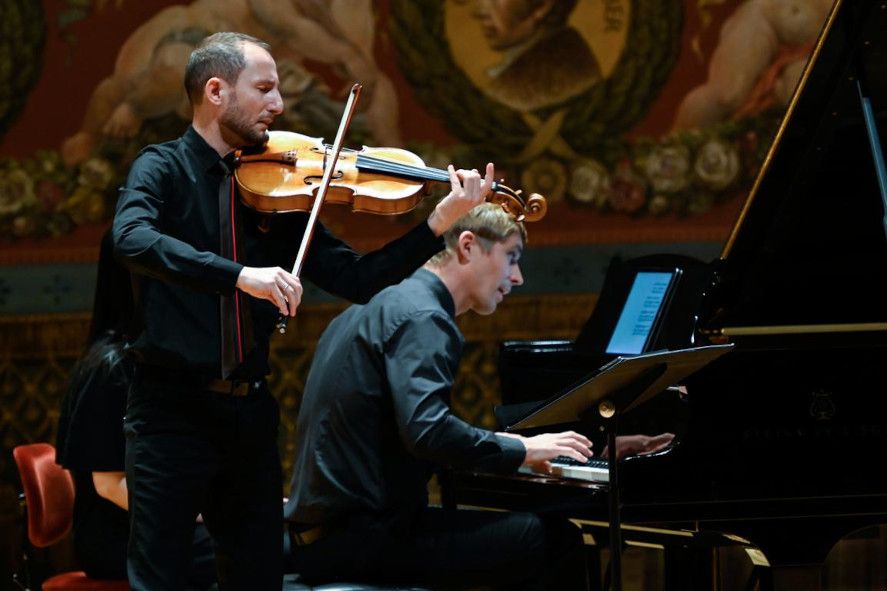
437	287
207	157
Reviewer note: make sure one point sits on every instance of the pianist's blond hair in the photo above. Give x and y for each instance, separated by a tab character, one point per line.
487	221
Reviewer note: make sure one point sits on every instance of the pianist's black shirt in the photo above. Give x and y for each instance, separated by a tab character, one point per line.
166	231
375	418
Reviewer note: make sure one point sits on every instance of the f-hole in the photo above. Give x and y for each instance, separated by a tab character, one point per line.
309	180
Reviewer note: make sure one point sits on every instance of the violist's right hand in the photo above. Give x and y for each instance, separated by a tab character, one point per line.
274	284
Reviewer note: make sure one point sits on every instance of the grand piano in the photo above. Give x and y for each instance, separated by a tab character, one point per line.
784	440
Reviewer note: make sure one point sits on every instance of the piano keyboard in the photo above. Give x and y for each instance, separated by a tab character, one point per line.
593	470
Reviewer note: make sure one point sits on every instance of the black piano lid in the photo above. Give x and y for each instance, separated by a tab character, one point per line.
809	246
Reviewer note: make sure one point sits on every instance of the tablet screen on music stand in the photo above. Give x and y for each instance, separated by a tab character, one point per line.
641	312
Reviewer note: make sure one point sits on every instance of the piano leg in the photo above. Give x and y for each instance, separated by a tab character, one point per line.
796	549
595	570
807	577
689	568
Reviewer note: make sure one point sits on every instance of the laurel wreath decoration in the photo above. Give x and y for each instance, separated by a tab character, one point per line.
22	35
591	119
576	150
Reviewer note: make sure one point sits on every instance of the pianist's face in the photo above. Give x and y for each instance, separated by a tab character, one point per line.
494	272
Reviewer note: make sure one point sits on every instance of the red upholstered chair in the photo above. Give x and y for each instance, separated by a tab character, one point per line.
49	498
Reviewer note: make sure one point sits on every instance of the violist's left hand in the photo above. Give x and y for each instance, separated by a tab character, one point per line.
467	191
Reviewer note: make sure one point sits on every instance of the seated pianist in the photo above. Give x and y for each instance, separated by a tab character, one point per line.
375	423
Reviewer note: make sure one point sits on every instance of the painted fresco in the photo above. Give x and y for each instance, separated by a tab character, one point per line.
639	120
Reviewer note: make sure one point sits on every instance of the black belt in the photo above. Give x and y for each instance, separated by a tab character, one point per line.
302	537
196	381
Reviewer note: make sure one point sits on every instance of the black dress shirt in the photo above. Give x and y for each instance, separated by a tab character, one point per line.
375	418
166	231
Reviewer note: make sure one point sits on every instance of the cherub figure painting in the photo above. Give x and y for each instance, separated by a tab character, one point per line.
761	52
146	81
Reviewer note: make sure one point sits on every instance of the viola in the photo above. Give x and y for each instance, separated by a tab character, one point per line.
294	172
285	174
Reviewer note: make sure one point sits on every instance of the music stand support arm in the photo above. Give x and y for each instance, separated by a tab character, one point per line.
609	410
615	510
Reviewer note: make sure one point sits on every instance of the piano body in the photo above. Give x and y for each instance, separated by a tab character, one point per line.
784	440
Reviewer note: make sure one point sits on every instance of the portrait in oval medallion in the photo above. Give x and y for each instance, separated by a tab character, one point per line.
528	77
532	54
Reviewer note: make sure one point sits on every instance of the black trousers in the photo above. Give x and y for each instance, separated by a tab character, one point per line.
104	557
449	549
194	452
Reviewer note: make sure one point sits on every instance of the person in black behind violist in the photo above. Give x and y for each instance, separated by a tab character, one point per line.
90	440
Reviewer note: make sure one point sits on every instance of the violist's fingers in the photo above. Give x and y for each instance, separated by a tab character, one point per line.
455	183
293	297
488	178
471	184
279	299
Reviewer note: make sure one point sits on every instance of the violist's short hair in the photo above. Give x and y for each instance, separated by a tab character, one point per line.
219	55
488	221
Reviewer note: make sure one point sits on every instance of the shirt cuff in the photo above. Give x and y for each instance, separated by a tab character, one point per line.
513	453
230	271
423	238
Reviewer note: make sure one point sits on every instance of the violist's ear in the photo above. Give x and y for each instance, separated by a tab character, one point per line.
214	91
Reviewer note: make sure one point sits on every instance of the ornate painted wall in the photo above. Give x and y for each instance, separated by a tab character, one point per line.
642	121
